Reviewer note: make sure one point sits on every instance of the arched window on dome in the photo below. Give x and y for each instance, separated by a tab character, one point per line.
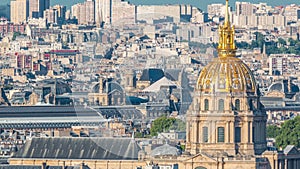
206	104
238	104
221	105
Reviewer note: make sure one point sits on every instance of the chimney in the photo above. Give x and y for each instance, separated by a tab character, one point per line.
44	165
100	85
63	165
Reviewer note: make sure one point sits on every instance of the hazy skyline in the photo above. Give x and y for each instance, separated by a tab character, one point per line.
200	4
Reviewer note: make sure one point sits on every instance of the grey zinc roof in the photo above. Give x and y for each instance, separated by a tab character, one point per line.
68	111
151	75
164	150
172	74
80	148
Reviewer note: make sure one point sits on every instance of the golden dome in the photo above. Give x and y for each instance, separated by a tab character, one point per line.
226	73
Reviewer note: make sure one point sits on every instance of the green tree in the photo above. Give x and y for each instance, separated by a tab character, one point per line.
242	45
138	135
260	39
281	41
289	133
15	35
272	131
178	125
161	124
292	42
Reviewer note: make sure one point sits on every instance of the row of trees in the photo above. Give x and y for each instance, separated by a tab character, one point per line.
280	46
163	124
289	46
287	134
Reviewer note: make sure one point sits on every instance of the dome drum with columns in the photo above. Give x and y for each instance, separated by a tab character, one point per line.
226	117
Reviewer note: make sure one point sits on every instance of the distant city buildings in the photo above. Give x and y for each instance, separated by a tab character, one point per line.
103	12
122	13
37	8
55	15
244	8
19	11
84	12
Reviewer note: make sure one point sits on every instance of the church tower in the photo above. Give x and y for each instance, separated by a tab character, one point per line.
226	116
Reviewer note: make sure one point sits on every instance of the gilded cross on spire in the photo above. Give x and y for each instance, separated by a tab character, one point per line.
226	46
227	14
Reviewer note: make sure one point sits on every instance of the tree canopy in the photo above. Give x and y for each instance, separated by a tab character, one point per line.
289	46
272	131
289	133
164	124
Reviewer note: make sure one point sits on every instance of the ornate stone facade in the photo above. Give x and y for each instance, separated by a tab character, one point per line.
226	117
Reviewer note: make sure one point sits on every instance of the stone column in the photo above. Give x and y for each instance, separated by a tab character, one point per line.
194	131
279	164
216	132
227	136
285	164
209	136
231	132
244	132
188	131
275	164
250	139
213	133
199	132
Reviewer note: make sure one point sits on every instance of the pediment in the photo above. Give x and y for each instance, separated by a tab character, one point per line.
200	158
291	150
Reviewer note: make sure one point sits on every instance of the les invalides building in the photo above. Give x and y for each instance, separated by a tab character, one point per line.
226	116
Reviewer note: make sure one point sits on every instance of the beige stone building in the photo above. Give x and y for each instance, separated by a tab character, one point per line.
19	11
106	93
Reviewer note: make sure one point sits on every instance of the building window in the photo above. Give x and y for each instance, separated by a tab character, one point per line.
237	105
206	104
237	135
128	81
205	134
221	134
221	104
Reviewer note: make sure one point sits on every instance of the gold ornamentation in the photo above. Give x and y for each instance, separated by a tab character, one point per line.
226	73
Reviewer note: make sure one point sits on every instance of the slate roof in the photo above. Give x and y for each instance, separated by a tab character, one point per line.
151	75
290	149
163	82
173	74
80	148
68	111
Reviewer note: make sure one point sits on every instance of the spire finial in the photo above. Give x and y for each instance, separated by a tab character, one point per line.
226	46
227	13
